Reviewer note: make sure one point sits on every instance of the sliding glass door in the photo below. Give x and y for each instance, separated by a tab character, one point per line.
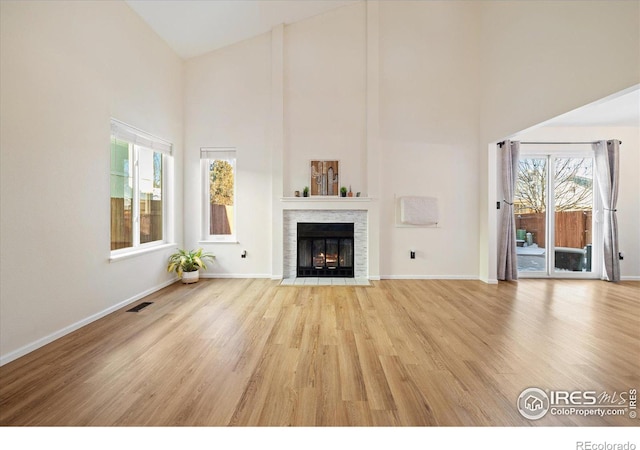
554	207
573	217
530	208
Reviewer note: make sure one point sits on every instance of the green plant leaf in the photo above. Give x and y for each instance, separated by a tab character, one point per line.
188	261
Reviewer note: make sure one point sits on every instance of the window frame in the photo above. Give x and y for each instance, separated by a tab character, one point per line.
137	140
551	153
205	159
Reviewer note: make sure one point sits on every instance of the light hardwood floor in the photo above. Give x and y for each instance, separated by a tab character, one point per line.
250	352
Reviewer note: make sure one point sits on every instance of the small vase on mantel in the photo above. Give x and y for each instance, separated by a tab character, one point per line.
350	194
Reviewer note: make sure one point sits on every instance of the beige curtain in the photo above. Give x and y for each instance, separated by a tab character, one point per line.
607	156
507	259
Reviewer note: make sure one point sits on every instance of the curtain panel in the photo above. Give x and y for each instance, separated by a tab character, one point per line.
507	258
607	162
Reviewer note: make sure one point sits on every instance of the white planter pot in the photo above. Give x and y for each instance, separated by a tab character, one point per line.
190	277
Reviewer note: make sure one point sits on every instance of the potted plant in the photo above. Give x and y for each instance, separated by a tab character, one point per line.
188	263
343	191
305	191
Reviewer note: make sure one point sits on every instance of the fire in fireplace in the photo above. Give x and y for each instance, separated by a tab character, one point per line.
325	250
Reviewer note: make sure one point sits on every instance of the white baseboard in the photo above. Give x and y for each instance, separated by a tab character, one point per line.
11	356
429	277
630	278
237	275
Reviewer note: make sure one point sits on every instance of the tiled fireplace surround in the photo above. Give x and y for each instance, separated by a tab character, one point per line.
291	218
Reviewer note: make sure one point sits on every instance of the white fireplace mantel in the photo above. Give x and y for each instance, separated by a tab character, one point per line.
321	203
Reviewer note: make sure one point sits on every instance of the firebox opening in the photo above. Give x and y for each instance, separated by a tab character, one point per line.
325	250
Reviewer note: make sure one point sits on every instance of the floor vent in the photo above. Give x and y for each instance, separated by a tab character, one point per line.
140	306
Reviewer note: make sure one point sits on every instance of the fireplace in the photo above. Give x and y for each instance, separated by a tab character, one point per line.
325	250
292	217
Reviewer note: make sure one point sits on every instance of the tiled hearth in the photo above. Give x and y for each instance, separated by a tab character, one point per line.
311	281
290	222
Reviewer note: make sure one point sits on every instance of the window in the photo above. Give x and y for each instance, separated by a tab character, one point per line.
219	177
137	188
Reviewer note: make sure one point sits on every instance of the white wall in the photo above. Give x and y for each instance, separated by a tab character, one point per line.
230	100
325	96
227	104
66	68
542	59
428	120
539	60
428	108
628	189
429	135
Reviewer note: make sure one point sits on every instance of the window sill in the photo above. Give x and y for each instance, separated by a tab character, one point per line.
142	251
217	242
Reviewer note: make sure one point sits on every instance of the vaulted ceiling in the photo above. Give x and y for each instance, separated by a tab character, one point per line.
192	28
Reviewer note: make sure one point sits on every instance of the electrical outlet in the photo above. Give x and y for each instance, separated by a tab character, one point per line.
243	254
413	254
620	256
497	205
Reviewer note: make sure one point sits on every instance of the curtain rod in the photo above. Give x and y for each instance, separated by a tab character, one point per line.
554	143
